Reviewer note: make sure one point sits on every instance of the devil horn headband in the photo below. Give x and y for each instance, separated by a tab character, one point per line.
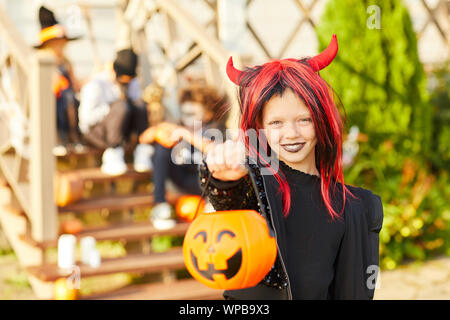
317	63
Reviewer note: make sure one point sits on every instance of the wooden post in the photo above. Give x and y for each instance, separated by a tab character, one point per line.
123	38
231	24
144	63
42	162
212	71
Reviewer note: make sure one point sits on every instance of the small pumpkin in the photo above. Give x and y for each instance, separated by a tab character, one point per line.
64	290
229	249
186	206
68	188
73	226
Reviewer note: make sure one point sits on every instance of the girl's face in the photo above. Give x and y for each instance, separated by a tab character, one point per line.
290	131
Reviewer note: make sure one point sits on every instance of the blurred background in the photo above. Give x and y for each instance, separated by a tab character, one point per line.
391	74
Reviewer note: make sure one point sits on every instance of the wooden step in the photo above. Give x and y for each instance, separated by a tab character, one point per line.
186	289
126	231
153	262
87	151
96	175
116	202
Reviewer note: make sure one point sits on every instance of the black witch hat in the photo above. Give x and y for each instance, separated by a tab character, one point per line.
50	28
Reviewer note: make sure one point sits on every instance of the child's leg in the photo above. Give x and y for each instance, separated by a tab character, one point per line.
161	164
114	123
72	116
62	121
136	119
186	177
139	118
113	158
108	132
96	136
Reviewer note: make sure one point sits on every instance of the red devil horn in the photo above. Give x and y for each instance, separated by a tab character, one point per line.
325	57
233	73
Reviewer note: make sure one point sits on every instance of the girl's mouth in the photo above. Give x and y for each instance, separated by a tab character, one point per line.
293	147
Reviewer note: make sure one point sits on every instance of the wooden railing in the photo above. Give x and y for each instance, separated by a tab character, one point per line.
203	45
27	164
27	119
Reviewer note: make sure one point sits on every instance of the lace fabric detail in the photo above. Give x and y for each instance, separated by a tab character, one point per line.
291	172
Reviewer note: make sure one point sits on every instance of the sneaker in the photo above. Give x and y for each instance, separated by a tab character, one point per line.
143	157
160	216
79	147
59	150
113	162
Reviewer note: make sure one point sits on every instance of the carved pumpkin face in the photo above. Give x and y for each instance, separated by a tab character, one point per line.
186	206
229	249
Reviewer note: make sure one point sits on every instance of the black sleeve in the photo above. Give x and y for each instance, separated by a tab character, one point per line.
357	262
228	195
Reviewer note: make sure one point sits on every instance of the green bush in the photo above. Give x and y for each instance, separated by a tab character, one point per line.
382	85
440	98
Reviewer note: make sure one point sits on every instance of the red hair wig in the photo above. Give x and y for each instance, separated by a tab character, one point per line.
257	85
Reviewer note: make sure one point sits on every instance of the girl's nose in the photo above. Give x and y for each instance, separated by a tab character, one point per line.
291	131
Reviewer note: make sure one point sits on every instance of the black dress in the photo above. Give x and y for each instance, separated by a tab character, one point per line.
312	238
318	258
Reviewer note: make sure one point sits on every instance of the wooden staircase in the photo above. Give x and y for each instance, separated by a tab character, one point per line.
164	264
28	215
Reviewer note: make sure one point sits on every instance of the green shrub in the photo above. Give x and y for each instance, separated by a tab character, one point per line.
382	85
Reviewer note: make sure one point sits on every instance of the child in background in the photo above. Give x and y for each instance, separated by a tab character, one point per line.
53	38
111	109
180	162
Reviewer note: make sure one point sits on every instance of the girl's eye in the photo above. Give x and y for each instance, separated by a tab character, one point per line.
276	122
306	120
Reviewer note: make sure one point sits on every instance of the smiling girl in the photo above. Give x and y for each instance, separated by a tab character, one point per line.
326	231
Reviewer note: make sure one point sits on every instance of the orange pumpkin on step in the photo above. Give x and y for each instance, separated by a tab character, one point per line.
64	290
229	249
68	188
186	206
73	226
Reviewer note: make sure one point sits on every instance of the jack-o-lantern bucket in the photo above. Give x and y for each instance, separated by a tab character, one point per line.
229	249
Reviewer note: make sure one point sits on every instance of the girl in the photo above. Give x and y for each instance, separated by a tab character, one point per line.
326	231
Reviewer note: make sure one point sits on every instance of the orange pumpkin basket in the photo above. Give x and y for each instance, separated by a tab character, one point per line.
230	249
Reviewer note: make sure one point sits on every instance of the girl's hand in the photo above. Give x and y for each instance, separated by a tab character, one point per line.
226	160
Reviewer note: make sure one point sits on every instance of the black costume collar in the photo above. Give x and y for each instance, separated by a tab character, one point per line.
298	175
